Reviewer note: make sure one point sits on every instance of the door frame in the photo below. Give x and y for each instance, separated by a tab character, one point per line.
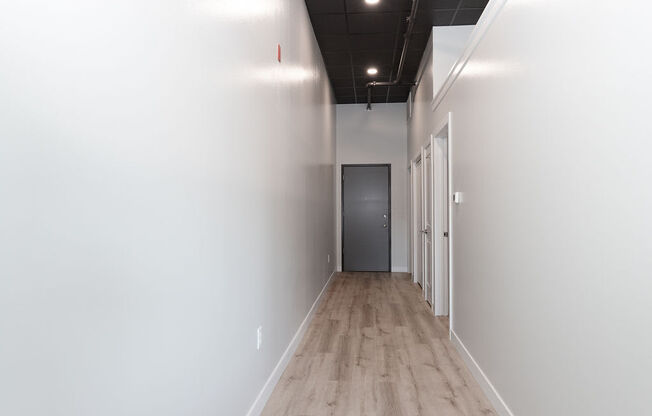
417	236
443	282
428	164
415	232
389	204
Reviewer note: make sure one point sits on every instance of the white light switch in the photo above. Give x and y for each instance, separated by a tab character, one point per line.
457	198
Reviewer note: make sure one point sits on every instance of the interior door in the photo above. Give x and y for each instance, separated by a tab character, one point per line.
427	171
440	226
417	215
366	218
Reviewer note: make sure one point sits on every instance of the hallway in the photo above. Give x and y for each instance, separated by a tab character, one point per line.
182	183
374	348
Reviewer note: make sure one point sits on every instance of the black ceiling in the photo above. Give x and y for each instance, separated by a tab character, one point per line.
354	35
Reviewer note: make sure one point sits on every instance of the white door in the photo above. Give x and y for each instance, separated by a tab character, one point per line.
417	218
427	166
440	226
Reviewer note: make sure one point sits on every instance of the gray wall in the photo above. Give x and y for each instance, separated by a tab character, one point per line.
164	191
378	136
551	148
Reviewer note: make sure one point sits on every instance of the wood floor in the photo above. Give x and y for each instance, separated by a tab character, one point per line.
374	348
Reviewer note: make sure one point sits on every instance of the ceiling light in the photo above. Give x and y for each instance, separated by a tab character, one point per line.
371	1
372	71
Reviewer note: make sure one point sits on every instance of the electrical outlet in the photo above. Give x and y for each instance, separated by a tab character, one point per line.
259	337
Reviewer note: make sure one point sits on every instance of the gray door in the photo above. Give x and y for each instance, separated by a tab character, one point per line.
366	218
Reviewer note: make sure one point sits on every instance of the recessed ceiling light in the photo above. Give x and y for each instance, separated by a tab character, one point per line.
371	1
372	71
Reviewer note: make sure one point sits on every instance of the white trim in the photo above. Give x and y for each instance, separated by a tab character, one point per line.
442	283
489	390
415	235
413	238
422	237
451	215
402	269
491	11
261	400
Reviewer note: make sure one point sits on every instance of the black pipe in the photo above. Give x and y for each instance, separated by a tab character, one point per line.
401	64
368	99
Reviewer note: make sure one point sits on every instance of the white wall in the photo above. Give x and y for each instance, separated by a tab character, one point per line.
420	124
551	148
378	136
444	49
448	43
165	188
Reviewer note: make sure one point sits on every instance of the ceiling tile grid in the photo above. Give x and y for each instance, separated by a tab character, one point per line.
354	36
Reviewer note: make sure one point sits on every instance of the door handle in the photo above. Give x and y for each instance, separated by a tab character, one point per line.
445	233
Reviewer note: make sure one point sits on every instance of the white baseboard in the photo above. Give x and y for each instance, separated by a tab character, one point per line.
259	404
400	269
492	394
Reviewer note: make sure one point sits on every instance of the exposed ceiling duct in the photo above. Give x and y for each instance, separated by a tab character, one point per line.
401	64
362	42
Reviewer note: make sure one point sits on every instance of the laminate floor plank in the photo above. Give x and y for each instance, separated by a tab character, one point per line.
374	348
